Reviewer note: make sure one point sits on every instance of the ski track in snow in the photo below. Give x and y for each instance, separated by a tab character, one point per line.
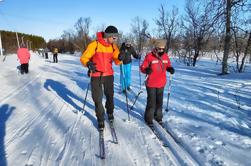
46	126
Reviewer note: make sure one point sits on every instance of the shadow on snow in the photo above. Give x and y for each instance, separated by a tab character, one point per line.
5	112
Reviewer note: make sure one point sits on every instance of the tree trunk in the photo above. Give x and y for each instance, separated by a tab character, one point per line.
196	55
169	41
245	53
227	38
237	51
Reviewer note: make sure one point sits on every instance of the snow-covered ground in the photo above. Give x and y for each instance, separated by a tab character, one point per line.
41	125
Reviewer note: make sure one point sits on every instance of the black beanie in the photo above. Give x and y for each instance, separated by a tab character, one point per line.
111	31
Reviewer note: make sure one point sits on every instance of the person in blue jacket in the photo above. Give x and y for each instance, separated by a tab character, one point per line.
125	70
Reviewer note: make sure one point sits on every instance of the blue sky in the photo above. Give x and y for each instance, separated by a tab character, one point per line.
49	18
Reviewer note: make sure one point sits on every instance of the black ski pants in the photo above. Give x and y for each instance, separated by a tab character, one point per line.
46	55
154	104
24	68
100	85
55	58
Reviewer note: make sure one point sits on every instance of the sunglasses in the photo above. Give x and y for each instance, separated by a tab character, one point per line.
114	37
160	49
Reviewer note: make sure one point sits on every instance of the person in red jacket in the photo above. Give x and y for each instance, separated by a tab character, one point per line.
23	55
98	57
155	65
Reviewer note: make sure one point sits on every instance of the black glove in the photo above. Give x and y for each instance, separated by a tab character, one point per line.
148	70
170	70
121	57
139	57
91	66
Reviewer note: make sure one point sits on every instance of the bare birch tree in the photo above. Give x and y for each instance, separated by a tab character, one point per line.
230	5
82	27
167	23
139	29
199	24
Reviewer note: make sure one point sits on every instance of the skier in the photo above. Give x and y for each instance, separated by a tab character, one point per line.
155	65
55	55
23	55
98	58
46	51
125	70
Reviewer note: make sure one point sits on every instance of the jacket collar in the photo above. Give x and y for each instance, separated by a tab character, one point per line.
155	54
100	39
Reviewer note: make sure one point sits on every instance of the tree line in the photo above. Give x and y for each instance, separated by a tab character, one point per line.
218	27
222	27
10	41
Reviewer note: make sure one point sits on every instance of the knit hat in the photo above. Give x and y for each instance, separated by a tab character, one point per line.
111	31
160	43
22	45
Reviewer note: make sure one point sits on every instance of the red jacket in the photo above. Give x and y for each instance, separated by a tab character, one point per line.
157	79
102	54
23	55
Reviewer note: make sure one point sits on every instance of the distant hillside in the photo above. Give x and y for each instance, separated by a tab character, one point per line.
9	41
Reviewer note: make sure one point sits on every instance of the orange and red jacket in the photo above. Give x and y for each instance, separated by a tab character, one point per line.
158	64
102	54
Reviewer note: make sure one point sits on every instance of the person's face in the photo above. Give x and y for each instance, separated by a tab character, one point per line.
160	49
112	39
128	45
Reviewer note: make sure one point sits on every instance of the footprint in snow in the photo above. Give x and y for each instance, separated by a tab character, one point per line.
75	111
220	143
24	152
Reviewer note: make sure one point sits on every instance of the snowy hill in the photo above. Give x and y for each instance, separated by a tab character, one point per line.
41	123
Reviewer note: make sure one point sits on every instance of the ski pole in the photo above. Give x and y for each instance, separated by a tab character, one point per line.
87	93
135	100
147	75
140	90
169	91
123	77
139	75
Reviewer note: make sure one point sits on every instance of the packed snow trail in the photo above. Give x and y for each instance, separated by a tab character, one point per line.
46	126
41	122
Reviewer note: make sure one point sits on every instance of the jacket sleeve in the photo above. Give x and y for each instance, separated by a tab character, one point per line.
145	64
88	53
134	54
116	55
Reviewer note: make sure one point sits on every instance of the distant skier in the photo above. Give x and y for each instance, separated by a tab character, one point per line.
155	65
125	70
23	55
46	51
55	55
98	58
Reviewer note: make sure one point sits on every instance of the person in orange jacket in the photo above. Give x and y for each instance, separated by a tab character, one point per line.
98	58
23	55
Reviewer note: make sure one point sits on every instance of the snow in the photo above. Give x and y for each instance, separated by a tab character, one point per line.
41	123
